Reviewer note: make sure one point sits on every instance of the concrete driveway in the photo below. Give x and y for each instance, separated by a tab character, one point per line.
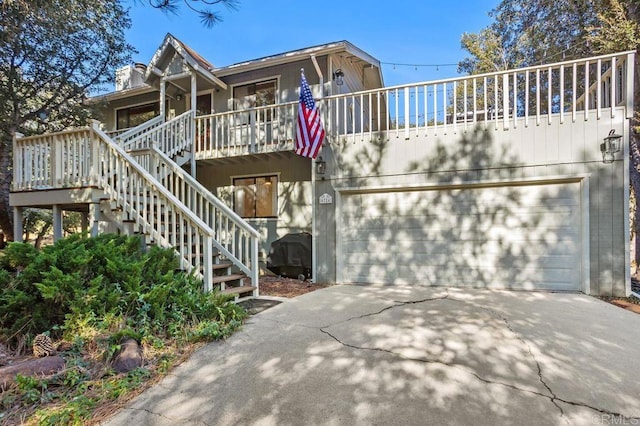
365	355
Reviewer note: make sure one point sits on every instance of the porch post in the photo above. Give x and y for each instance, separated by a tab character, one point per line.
17	224
93	218
84	222
57	222
163	87
194	95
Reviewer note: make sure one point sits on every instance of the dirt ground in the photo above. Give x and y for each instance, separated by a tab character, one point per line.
286	287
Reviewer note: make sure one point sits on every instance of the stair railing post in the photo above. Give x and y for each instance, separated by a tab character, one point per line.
254	266
94	156
153	160
207	264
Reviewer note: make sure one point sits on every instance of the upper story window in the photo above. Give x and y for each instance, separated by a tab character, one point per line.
134	116
256	197
262	93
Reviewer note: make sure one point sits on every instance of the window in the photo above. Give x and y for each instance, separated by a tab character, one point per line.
256	197
131	117
255	95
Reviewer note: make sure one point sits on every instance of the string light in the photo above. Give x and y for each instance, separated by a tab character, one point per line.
416	66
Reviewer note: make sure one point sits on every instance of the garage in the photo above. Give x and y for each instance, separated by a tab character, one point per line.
526	236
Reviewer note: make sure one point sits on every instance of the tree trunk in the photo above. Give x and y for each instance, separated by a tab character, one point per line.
6	176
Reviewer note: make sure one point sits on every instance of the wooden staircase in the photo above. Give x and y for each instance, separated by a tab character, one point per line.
141	190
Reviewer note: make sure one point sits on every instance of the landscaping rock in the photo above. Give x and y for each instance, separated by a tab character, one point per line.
31	367
129	358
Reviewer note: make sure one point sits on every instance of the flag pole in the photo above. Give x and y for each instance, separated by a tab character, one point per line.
314	208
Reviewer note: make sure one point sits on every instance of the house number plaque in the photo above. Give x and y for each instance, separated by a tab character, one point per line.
326	199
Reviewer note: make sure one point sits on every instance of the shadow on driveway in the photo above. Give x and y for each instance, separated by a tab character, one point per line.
362	355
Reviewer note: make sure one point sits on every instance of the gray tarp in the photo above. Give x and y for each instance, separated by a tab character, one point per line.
291	255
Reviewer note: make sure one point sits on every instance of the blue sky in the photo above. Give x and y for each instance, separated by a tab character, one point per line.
395	32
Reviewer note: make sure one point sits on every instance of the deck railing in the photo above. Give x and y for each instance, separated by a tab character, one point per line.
504	99
54	160
233	237
257	130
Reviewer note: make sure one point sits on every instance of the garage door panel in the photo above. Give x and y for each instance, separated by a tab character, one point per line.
552	219
525	237
546	245
463	278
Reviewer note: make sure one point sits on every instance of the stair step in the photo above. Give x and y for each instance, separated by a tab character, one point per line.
239	290
225	278
222	265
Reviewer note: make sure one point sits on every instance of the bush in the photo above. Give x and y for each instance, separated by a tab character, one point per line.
95	292
103	283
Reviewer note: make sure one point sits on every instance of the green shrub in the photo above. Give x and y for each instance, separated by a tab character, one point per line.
104	283
95	292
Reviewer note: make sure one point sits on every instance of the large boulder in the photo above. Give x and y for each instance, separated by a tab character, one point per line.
30	367
129	357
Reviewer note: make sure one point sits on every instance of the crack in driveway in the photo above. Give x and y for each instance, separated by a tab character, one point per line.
552	397
171	419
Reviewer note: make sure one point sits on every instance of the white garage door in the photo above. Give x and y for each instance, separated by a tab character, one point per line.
523	237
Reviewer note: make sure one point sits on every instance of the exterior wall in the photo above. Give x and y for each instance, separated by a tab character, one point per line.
294	193
354	75
491	154
288	76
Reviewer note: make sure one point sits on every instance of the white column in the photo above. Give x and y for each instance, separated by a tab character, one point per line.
57	222
194	95
84	222
17	224
163	87
94	218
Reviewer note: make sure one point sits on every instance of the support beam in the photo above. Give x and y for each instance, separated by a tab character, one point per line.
163	89
319	72
84	223
194	95
57	222
18	224
94	218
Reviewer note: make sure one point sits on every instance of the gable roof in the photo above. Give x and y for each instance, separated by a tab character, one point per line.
171	46
165	53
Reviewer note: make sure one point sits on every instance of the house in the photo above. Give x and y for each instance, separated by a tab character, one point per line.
515	179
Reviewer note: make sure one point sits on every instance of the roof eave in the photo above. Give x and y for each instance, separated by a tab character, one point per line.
296	56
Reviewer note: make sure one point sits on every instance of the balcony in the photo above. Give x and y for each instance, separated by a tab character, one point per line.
502	100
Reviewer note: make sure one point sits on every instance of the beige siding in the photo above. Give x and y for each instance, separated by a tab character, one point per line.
479	154
294	192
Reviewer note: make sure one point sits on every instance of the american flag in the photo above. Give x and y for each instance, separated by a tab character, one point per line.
310	133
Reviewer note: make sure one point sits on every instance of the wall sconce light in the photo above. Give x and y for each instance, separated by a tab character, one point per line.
321	166
338	77
610	146
179	97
